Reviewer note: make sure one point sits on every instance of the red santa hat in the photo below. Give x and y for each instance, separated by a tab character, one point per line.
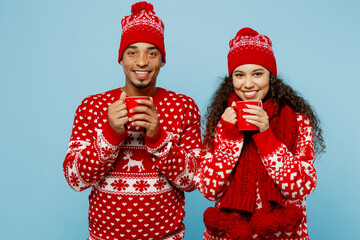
250	47
142	26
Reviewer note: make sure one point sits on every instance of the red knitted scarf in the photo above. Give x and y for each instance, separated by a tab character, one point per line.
249	171
236	214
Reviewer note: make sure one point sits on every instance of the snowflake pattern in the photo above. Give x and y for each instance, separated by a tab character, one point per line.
294	174
160	184
74	180
134	204
140	140
185	180
106	150
129	139
119	185
141	185
103	184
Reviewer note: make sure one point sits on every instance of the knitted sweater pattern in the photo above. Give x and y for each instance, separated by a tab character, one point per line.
138	182
294	174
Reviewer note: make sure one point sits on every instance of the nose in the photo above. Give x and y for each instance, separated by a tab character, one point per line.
248	84
142	60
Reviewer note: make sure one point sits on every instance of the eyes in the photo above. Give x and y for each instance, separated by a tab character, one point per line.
255	74
258	74
151	53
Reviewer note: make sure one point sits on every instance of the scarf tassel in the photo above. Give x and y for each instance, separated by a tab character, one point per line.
284	219
235	214
231	223
263	223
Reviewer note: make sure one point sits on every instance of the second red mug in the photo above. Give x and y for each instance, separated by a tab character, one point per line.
242	124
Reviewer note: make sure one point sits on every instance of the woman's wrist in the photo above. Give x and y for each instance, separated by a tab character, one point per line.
230	130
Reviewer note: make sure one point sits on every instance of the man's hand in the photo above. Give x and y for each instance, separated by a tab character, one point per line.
146	117
118	115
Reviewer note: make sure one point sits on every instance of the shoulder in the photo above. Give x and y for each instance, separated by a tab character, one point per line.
104	98
305	130
177	98
176	104
303	120
95	106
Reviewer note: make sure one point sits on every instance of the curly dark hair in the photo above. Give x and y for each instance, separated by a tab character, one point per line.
279	91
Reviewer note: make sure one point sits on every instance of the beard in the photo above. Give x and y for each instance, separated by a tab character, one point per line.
141	85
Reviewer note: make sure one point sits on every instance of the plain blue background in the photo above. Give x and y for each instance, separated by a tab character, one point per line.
55	53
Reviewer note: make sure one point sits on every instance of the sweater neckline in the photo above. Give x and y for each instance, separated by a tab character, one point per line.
158	93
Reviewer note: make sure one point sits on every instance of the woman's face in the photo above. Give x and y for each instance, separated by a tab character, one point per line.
251	82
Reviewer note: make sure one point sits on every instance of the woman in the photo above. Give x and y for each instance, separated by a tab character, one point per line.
260	179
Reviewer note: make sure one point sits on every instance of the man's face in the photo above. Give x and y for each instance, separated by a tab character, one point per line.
141	63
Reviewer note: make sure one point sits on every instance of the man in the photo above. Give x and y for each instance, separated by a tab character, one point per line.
138	167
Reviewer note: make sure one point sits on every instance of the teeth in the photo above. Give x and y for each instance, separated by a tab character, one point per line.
250	93
141	72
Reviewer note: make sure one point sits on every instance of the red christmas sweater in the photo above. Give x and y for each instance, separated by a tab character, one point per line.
293	174
138	182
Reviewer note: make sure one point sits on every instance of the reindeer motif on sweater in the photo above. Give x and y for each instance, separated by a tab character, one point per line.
137	182
132	162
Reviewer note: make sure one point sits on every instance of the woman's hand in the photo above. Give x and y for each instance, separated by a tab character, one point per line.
230	114
257	117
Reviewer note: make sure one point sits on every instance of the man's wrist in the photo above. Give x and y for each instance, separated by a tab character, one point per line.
112	135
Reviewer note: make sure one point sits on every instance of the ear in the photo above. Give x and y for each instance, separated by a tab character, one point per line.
121	63
162	63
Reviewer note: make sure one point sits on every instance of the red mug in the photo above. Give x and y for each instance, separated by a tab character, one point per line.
131	103
242	124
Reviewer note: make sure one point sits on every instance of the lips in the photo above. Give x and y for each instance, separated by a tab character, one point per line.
142	74
250	94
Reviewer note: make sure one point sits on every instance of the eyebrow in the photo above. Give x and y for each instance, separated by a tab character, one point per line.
135	47
152	48
258	69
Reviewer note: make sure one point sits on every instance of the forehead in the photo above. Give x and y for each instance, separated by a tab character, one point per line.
142	45
249	67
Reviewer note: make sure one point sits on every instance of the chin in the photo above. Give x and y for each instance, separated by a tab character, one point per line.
141	85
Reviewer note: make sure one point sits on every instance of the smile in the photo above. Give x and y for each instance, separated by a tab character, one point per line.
142	73
250	94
